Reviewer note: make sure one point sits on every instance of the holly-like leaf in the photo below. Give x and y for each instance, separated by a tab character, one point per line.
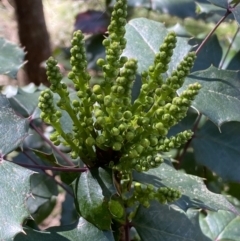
87	232
204	59
236	13
179	8
43	188
25	103
14	191
209	8
94	189
13	128
193	190
142	44
220	3
225	161
11	58
31	234
221	225
164	223
234	64
219	97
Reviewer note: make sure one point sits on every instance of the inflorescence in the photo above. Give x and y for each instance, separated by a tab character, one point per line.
110	130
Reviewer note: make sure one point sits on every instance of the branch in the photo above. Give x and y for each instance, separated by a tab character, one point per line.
213	30
69	162
60	169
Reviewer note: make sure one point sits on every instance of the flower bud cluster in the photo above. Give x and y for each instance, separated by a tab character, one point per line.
108	129
115	43
143	194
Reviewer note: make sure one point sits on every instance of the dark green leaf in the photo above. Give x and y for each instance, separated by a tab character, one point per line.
185	124
44	210
210	54
164	223
13	128
219	97
35	235
11	58
180	8
236	13
194	192
234	64
220	3
87	232
94	189
43	188
225	161
25	103
144	38
209	8
221	225
14	191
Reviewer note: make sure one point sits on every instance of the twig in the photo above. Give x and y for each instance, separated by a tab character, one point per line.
127	231
69	162
229	47
181	156
213	30
51	176
60	169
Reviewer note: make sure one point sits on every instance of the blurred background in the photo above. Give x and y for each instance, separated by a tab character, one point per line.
44	28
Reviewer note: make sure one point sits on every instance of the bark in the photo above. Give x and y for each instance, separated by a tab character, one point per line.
34	38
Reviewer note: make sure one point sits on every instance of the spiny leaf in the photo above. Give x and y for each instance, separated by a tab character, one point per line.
142	44
194	192
93	194
87	232
221	225
165	223
11	58
14	191
219	97
13	128
225	161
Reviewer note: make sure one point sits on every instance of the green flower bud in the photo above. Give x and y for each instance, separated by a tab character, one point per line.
133	153
127	115
75	103
117	146
145	142
115	131
100	140
139	149
97	89
74	155
90	141
98	113
107	101
129	136
153	140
